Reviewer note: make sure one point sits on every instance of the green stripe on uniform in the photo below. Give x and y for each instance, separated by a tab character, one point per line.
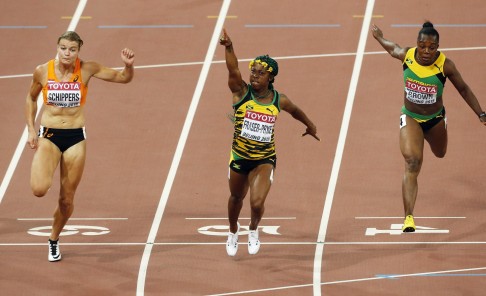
420	117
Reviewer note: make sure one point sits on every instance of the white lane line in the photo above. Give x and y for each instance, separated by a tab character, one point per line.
405	243
401	217
77	15
310	56
242	218
398	243
23	138
180	147
71	219
70	244
432	273
279	26
340	147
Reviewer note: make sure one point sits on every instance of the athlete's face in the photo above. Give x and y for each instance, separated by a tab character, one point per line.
67	51
259	77
427	46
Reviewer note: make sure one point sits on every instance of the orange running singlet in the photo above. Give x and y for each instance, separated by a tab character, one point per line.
64	94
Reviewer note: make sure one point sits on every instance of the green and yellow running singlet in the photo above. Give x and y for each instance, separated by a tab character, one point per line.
423	84
254	122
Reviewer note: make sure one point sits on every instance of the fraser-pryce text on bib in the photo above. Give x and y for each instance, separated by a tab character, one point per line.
258	126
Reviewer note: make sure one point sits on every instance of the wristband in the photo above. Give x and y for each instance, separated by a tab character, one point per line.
483	114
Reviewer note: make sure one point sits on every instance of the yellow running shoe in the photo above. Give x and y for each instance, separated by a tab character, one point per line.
408	224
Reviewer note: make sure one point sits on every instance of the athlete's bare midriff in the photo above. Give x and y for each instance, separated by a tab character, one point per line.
57	117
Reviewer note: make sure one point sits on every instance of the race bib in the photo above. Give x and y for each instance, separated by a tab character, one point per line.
63	94
258	126
420	93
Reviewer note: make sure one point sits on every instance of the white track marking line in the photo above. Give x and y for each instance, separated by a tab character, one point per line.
398	243
416	217
310	56
72	27
406	243
23	138
180	147
70	219
355	280
242	218
77	15
340	147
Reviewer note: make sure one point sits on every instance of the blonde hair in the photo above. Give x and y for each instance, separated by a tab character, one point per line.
71	36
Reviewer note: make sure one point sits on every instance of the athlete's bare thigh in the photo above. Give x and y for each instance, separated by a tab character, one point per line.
238	184
44	164
72	166
411	138
437	138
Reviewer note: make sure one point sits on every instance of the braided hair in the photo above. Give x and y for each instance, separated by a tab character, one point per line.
269	64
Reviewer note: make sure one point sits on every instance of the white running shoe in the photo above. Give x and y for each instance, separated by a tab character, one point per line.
54	252
253	242
232	242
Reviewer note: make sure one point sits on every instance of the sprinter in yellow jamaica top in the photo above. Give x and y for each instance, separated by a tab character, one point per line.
253	159
423	117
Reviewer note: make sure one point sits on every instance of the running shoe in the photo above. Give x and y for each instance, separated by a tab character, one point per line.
253	242
232	242
408	224
54	252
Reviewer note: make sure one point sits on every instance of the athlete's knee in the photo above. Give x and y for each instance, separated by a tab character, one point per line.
439	150
413	164
257	204
440	153
65	204
66	196
236	198
237	193
39	189
39	192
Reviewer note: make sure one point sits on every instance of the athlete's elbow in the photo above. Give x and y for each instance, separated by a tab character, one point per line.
126	79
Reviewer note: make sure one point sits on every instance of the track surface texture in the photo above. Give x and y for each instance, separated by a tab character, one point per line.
150	212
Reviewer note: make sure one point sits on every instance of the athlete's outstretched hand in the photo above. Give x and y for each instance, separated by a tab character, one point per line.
311	131
377	33
483	119
225	40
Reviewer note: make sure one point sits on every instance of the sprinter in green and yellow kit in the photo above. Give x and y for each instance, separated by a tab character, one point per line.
425	70
253	159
